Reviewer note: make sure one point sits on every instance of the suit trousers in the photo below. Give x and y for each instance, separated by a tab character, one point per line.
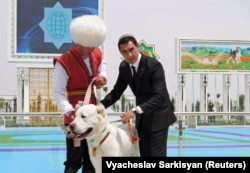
77	157
153	143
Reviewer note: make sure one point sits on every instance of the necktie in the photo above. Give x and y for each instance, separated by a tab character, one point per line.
134	75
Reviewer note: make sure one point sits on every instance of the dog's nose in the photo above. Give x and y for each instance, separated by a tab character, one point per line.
71	127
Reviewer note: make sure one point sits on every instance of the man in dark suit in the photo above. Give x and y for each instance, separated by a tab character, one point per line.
153	112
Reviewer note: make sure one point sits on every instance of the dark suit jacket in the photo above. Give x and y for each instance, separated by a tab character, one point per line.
151	93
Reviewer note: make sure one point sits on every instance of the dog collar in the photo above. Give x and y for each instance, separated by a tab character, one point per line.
93	139
94	149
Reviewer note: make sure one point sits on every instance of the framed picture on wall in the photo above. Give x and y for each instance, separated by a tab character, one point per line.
41	27
207	56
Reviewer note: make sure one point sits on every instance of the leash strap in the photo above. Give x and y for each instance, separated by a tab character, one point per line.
115	121
88	92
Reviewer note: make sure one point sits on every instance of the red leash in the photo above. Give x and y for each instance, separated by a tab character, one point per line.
133	138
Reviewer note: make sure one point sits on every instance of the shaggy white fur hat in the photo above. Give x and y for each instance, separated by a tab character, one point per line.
88	30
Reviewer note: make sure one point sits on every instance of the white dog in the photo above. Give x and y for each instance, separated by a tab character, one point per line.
103	138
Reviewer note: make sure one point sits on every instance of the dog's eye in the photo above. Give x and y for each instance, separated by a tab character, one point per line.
83	116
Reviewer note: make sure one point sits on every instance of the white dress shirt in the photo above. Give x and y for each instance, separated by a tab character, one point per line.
61	79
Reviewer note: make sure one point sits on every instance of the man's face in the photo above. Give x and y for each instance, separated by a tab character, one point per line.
85	51
130	52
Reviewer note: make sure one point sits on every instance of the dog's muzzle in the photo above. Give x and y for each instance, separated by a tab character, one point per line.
80	135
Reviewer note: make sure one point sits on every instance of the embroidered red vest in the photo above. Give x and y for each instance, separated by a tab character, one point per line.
79	76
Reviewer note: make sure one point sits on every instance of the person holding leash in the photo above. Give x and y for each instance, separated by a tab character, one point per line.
154	111
73	72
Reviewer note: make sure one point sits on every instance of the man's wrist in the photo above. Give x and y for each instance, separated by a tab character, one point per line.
134	110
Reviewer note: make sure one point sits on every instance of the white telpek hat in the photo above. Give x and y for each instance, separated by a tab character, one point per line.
88	30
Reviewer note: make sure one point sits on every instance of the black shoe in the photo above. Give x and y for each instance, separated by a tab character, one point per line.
89	171
70	170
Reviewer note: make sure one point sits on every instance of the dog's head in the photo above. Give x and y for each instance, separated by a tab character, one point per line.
88	120
238	49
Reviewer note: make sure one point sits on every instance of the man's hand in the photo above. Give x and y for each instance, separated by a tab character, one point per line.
100	81
69	117
78	105
127	116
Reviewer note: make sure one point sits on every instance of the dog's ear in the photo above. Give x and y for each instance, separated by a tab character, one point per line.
101	110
